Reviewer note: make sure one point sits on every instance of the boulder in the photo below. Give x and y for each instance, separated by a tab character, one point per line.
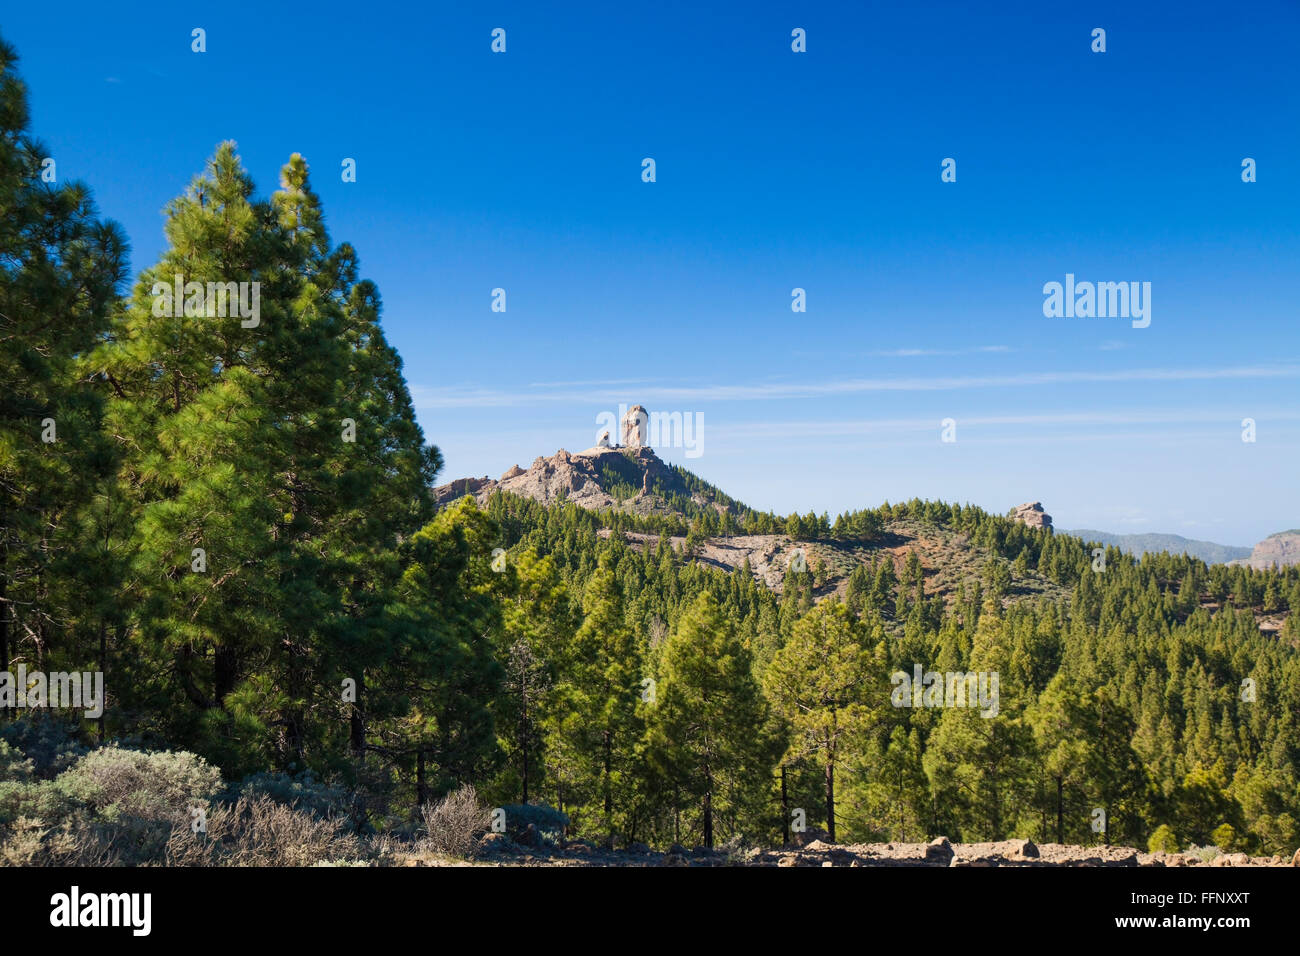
1022	849
807	837
495	843
938	850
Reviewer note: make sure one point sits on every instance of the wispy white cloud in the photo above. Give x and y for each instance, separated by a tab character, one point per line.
912	353
428	397
594	383
842	428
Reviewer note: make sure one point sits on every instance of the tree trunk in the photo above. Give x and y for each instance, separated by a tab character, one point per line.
708	811
523	727
785	813
357	722
421	790
525	769
293	716
1060	812
225	668
103	666
830	799
4	604
609	793
902	807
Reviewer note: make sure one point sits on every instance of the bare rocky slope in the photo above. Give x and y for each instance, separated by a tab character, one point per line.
1277	550
601	479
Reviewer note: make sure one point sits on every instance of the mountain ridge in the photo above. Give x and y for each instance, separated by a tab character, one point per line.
1210	552
634	480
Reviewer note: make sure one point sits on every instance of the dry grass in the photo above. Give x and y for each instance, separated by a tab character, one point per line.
258	831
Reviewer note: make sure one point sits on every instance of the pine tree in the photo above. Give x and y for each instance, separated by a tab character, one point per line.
1064	751
823	683
599	697
59	277
445	672
540	624
707	731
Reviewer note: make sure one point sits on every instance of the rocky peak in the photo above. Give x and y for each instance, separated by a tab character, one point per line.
635	424
581	477
1032	514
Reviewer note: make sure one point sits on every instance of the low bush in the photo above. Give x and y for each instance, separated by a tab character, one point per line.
258	831
548	821
149	785
454	824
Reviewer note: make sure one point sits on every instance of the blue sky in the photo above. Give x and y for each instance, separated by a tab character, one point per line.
775	170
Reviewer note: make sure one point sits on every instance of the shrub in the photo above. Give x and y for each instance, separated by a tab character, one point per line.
51	742
45	800
14	767
739	851
31	842
301	791
157	785
454	823
1163	839
79	841
258	831
1204	853
550	823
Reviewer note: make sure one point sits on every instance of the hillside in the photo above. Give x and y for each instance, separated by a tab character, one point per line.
643	501
949	559
635	482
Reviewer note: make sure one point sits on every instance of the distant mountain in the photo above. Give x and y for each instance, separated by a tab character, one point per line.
1139	544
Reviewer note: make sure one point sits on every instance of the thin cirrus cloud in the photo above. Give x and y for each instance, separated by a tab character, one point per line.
477	397
828	429
924	352
912	353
